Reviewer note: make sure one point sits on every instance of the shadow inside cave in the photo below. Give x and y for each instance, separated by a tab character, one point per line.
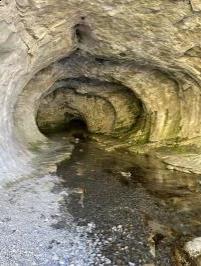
77	128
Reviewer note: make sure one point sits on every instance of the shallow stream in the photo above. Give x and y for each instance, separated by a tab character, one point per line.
101	208
140	210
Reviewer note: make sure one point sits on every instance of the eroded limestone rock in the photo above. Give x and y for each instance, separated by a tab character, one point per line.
150	47
106	108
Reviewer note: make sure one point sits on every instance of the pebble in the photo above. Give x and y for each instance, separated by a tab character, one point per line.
193	247
126	174
55	257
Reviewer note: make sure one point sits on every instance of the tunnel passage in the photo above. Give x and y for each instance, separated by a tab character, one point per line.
134	104
71	125
77	128
88	105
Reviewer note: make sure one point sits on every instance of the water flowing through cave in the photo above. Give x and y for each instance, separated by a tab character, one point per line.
98	114
100	133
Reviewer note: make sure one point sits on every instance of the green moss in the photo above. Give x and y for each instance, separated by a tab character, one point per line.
178	148
35	146
173	127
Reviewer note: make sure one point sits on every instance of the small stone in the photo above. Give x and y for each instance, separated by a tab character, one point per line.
107	261
126	174
63	193
193	247
91	225
55	257
119	226
170	167
78	190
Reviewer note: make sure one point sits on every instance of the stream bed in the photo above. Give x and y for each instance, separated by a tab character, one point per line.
100	208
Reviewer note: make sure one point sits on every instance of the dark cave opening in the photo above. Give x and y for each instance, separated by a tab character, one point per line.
77	127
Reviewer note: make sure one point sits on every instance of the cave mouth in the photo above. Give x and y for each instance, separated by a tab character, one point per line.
77	128
83	105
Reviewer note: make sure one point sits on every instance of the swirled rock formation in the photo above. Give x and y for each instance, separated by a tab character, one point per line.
129	69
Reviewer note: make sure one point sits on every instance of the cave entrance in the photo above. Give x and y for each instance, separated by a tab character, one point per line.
62	125
77	127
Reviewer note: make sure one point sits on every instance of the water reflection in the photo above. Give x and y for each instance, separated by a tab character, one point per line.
138	196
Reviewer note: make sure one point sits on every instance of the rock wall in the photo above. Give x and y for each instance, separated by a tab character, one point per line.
114	49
